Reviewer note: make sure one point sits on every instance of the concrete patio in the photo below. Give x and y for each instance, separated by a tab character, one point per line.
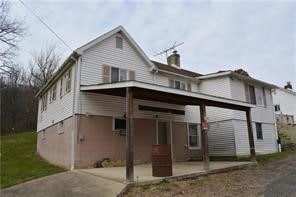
143	172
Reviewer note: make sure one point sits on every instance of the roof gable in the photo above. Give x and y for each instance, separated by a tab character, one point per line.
119	29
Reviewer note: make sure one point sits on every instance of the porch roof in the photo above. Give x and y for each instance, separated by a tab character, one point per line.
153	92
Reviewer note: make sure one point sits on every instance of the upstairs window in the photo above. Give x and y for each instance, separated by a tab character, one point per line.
118	74
277	107
53	93
256	95
68	81
44	102
259	131
119	42
179	85
61	87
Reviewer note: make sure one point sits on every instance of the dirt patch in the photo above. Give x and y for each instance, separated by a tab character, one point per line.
256	181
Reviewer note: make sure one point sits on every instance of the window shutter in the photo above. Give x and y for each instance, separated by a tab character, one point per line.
264	97
132	75
106	74
247	93
189	87
171	83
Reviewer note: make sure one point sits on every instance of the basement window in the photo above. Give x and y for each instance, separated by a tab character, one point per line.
119	124
61	127
119	42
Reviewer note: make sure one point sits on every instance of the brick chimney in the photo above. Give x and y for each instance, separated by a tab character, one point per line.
174	59
288	86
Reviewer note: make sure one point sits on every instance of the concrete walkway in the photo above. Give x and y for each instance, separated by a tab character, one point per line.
71	183
143	172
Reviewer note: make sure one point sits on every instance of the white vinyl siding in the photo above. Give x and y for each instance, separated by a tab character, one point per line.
287	101
59	110
104	53
262	146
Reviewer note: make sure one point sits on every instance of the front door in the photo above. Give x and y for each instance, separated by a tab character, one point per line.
163	132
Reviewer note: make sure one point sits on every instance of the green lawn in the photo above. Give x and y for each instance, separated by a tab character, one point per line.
19	160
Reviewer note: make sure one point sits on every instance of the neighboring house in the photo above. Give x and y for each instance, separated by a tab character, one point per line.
284	100
83	110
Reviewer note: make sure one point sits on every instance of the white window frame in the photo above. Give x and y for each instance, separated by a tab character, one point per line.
119	71
113	123
53	93
259	89
279	107
61	127
117	38
44	102
198	135
257	98
61	86
68	81
181	82
259	139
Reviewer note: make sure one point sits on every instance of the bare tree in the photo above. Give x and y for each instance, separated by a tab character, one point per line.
43	65
11	30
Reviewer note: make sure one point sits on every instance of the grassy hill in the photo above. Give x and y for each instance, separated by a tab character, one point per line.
19	160
287	132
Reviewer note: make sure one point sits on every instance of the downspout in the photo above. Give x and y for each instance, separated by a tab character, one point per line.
74	120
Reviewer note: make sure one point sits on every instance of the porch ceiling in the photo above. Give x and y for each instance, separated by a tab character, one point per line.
153	92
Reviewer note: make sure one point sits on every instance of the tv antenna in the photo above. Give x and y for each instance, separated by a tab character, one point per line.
169	49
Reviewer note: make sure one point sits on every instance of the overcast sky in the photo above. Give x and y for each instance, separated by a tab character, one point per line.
259	37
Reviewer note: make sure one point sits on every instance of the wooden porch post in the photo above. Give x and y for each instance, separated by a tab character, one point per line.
204	138
251	137
129	136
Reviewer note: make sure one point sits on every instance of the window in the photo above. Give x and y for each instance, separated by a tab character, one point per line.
119	42
193	136
277	107
252	94
53	93
68	81
61	127
180	85
259	131
119	124
118	74
256	95
44	102
61	88
259	95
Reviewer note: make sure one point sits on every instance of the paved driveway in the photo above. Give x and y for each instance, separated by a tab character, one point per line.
71	183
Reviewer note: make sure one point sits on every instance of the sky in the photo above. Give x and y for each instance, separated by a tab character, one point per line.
258	36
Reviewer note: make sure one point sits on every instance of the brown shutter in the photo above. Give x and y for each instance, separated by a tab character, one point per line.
106	74
189	86
264	97
171	83
132	75
247	93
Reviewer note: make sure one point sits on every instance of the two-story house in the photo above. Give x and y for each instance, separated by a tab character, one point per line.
109	100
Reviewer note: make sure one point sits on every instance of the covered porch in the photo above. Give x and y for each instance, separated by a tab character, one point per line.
151	92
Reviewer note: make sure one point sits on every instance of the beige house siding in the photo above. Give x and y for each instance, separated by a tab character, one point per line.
55	147
101	142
